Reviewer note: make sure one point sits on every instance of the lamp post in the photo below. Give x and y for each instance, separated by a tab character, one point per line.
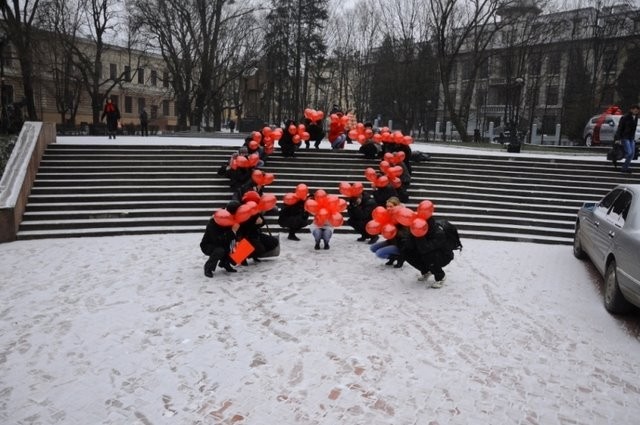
426	121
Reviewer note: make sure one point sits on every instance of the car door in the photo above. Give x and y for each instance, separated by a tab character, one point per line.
625	245
607	131
596	228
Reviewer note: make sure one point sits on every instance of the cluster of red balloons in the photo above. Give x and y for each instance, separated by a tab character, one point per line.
394	158
261	178
313	115
301	193
242	161
386	136
299	133
361	134
338	122
351	190
267	137
383	221
326	208
265	202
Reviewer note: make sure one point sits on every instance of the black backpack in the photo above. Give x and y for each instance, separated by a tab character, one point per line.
451	235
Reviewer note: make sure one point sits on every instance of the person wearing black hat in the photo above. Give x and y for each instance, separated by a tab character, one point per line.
216	243
626	133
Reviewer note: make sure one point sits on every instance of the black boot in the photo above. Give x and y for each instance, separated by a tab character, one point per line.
373	240
209	267
227	266
326	245
292	237
392	259
362	238
317	245
399	262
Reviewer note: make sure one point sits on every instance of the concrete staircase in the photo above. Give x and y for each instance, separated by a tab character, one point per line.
96	190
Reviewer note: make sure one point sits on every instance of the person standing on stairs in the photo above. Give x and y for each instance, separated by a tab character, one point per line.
112	114
627	133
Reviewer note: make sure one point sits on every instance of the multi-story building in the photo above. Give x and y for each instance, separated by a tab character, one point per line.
134	80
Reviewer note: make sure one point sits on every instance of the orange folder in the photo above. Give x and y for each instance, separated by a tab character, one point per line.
241	251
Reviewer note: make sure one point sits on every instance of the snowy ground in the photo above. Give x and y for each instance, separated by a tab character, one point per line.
127	330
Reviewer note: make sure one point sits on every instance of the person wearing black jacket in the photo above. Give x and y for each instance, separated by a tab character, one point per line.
287	147
627	134
216	243
315	133
293	217
428	253
359	210
252	231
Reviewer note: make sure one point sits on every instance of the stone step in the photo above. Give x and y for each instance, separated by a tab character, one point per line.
93	190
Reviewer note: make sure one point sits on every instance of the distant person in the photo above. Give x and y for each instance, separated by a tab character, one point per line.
112	114
627	133
144	123
232	125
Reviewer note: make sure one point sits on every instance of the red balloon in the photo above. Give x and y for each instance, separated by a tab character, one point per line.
322	215
296	139
425	209
244	212
381	215
389	231
267	131
267	202
302	191
290	198
404	216
419	227
370	174
311	206
373	227
224	218
258	177
241	161
256	136
251	195
384	166
336	219
345	189
268	178
305	135
382	181
401	156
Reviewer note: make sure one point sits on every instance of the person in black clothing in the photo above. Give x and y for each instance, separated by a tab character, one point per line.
315	133
216	243
427	253
382	194
232	125
370	148
293	217
112	113
359	210
252	231
287	146
626	133
144	123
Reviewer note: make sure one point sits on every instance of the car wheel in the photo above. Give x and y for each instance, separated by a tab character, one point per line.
614	301
588	141
577	245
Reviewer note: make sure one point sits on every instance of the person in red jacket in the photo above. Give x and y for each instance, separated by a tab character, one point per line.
112	114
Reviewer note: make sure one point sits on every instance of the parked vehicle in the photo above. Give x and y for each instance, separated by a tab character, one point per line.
608	233
607	130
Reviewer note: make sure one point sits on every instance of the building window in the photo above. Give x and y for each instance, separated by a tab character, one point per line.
552	95
154	112
141	104
127	73
165	108
6	94
140	75
113	71
165	79
554	63
483	71
128	104
154	78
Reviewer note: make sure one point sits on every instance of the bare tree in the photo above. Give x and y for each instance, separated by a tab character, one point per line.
462	33
17	24
60	19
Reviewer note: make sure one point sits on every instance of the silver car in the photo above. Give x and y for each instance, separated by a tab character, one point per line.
607	130
608	232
